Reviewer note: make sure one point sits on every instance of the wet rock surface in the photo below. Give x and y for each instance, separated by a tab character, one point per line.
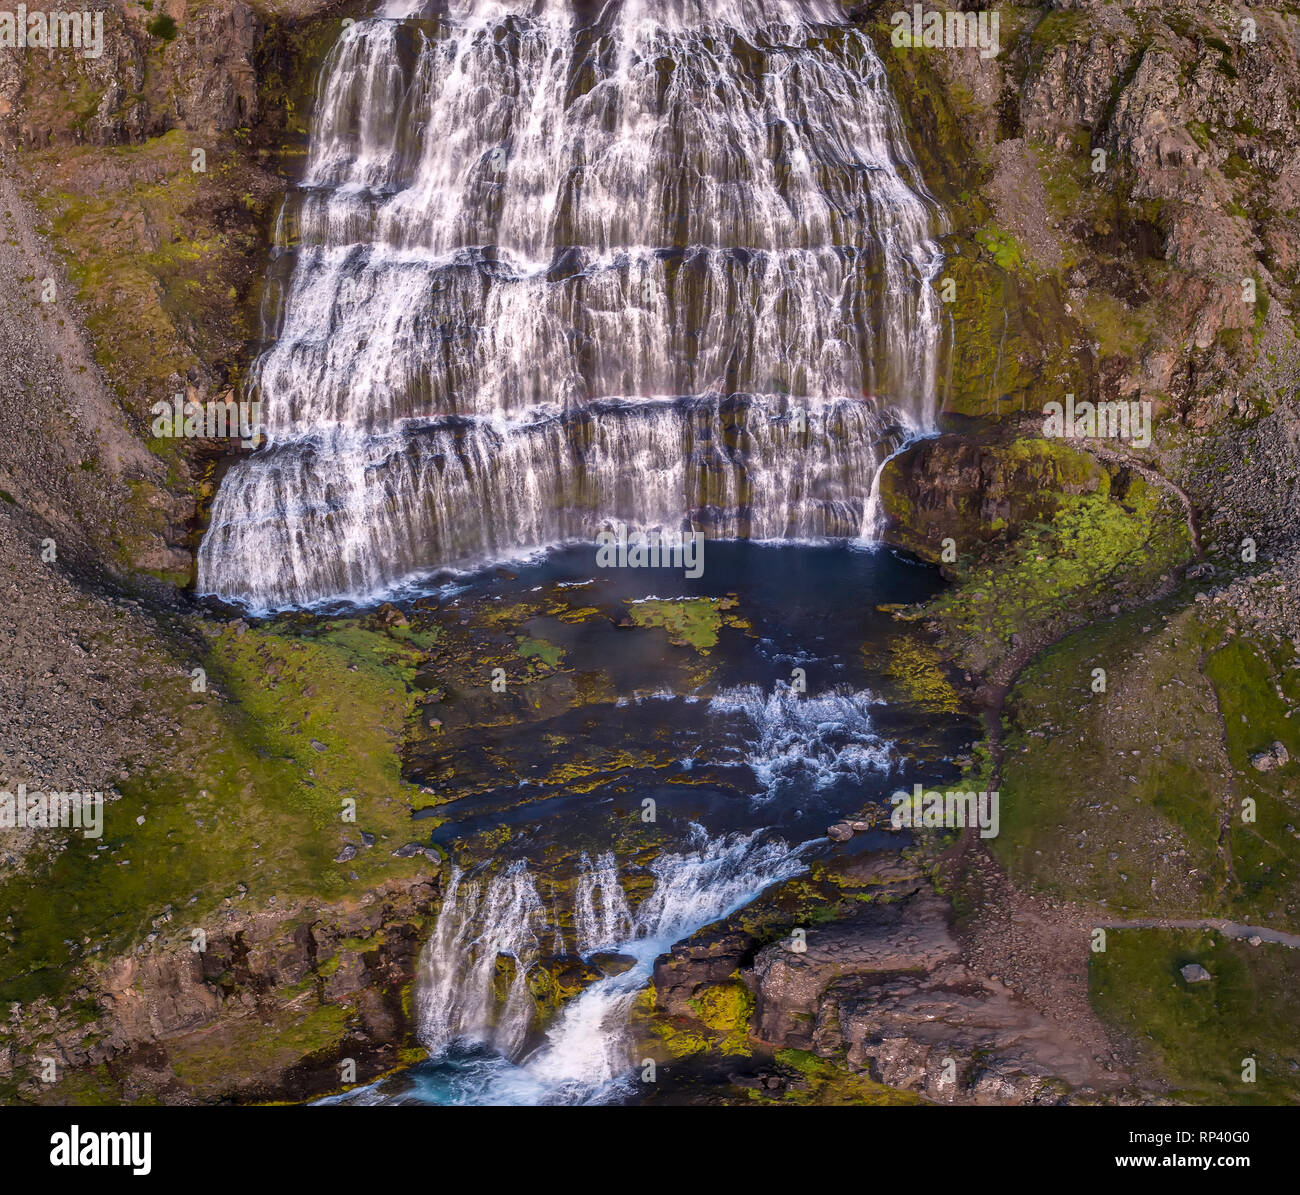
888	991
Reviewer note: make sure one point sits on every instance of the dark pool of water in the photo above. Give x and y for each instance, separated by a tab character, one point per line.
746	750
719	742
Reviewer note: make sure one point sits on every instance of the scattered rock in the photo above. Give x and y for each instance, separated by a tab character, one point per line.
1275	757
411	849
389	615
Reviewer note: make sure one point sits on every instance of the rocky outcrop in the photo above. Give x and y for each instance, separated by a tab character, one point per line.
199	75
1164	139
887	991
268	1007
973	490
881	990
145	180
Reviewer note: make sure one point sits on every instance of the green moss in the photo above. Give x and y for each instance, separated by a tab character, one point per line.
690	622
1119	329
119	280
549	654
823	1082
726	1008
1003	246
162	27
90	1087
1008	328
918	669
1060	27
253	794
1056	569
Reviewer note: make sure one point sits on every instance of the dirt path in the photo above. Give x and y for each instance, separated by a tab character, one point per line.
1113	457
1232	929
1038	947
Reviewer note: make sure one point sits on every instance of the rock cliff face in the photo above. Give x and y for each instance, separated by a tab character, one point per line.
1130	175
141	185
273	1004
976	489
126	276
1141	162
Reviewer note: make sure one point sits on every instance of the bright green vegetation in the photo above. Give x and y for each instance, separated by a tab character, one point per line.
1094	548
546	653
721	1025
162	27
1024	480
252	798
1004	247
1255	687
825	1083
918	670
690	622
1201	1033
726	1008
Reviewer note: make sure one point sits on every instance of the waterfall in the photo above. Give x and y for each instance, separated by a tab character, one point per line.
491	928
665	261
482	927
602	918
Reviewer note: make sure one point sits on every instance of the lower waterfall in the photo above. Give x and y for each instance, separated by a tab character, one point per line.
502	925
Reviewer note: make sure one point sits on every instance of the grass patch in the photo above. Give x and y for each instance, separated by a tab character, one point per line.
1255	685
162	27
253	795
1200	1033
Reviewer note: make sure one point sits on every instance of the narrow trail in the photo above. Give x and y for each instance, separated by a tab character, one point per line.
1039	947
1232	929
993	695
1111	456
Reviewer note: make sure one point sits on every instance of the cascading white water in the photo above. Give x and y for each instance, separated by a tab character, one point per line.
806	742
669	264
478	927
602	918
487	954
496	926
